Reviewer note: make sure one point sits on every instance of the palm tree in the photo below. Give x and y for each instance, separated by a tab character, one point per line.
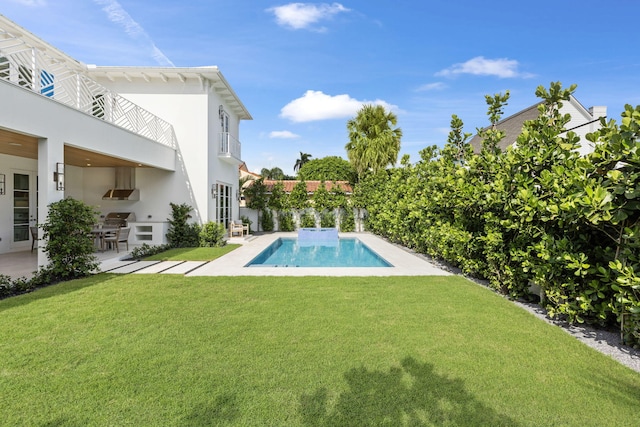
373	142
275	173
304	158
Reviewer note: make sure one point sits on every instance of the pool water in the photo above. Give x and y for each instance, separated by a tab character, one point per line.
345	252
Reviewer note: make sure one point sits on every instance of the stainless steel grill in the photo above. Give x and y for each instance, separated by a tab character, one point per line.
121	219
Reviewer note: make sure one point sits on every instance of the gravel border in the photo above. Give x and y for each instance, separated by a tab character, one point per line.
606	342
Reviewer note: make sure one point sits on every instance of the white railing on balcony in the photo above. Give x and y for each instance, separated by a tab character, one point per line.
229	147
35	70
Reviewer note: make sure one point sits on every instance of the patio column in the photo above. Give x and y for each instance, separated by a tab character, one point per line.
50	154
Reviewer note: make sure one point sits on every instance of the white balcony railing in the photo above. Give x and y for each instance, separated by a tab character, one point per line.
35	70
229	147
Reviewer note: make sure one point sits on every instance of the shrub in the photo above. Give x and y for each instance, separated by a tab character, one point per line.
327	219
308	220
286	221
246	220
69	244
347	221
146	250
7	288
181	234
267	220
212	234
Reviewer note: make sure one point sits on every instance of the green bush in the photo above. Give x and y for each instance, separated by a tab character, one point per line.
308	220
212	234
327	219
347	220
69	243
246	220
7	287
286	221
181	233
146	250
267	220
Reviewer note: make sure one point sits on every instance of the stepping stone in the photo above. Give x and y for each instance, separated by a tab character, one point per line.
184	267
111	265
130	268
159	267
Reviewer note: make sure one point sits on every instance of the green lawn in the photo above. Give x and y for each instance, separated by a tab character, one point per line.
192	254
148	350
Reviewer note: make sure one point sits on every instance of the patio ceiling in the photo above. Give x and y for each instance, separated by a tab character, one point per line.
20	145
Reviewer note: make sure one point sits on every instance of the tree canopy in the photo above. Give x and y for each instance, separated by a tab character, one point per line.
374	141
304	158
274	173
330	168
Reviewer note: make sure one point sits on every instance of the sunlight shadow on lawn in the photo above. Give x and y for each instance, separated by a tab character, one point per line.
411	395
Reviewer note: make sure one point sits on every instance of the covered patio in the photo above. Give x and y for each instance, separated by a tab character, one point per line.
24	263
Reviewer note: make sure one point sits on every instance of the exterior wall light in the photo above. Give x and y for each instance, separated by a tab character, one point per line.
3	184
58	176
214	192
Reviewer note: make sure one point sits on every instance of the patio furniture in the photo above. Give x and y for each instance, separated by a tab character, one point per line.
237	226
121	235
34	236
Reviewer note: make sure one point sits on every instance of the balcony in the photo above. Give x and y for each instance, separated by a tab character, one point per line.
229	149
61	79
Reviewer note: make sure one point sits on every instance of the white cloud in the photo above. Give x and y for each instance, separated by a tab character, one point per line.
303	15
481	66
432	86
316	105
118	15
283	134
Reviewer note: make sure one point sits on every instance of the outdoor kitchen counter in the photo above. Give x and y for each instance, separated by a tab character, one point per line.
149	232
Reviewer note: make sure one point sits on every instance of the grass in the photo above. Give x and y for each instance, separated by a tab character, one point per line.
193	254
362	351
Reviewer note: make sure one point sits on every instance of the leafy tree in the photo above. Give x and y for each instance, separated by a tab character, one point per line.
278	199
322	198
299	199
457	149
274	173
69	244
256	196
374	143
304	158
331	168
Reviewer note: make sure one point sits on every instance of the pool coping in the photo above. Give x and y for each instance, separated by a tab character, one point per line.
404	262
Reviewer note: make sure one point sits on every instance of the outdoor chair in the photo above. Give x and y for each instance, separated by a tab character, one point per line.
34	236
236	226
121	235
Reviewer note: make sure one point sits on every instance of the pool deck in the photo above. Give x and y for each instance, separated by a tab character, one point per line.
404	262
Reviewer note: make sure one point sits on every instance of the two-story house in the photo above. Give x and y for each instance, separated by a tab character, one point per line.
122	139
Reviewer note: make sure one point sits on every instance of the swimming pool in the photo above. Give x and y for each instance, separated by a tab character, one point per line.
345	252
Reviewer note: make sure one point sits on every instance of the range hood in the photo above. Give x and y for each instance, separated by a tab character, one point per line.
124	188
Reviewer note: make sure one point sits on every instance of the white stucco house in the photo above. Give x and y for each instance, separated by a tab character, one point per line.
122	139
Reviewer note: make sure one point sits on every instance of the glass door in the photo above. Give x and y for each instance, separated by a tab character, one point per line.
223	204
24	209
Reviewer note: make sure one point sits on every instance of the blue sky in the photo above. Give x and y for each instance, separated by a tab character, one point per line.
304	69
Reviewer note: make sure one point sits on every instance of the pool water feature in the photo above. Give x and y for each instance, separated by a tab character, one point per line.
343	252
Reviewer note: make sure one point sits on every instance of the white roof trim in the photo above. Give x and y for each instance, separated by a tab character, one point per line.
211	73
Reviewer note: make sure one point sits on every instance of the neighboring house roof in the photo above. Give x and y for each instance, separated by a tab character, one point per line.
512	125
312	186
